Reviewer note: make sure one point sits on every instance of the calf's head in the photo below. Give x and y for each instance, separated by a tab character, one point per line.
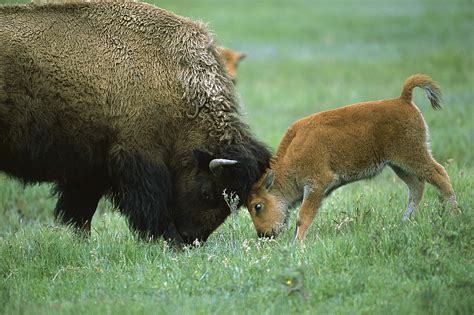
231	61
200	206
267	209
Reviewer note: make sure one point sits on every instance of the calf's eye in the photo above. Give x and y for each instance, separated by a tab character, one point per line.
258	207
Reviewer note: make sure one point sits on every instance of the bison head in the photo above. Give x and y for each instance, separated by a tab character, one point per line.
200	206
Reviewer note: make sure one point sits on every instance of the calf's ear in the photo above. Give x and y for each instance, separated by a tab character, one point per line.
269	179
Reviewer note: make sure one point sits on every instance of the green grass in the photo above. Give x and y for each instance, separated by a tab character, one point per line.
303	57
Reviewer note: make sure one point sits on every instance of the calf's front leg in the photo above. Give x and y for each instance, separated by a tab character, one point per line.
309	207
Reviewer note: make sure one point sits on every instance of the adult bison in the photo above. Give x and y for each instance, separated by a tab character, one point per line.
128	101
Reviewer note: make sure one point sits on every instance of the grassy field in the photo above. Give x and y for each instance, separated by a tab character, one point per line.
303	56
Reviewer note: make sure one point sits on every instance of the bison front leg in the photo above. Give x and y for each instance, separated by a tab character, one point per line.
77	203
142	190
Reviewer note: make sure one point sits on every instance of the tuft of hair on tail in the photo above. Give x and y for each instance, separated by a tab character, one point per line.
431	88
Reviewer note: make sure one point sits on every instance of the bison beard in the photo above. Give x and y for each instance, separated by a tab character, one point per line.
128	101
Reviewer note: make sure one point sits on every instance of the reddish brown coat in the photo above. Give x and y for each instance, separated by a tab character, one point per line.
231	61
326	150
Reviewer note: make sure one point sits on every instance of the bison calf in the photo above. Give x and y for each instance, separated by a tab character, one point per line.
231	61
326	150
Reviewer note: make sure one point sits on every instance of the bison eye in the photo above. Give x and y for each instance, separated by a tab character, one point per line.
258	207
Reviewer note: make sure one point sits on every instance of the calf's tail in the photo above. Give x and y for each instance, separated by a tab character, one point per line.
431	88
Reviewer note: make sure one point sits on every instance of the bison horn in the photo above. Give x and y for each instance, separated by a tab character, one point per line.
216	165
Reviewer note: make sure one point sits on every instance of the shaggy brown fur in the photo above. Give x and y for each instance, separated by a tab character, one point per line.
231	61
77	1
326	150
230	57
127	100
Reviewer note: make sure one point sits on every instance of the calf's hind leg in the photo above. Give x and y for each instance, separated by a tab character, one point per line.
416	187
426	168
437	176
